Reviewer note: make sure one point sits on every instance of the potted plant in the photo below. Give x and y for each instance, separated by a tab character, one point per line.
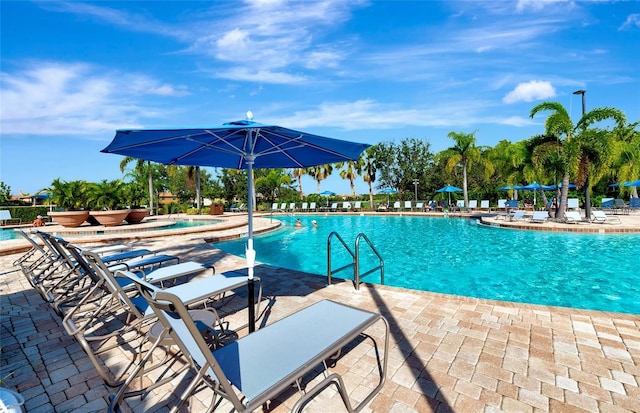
217	207
106	199
71	197
134	196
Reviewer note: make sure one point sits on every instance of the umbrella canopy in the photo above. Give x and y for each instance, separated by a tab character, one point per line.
242	144
534	186
388	191
327	194
634	183
571	186
449	189
509	187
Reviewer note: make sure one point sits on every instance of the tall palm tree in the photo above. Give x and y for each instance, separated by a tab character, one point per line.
463	152
141	165
367	168
350	172
297	174
320	173
559	124
626	154
193	173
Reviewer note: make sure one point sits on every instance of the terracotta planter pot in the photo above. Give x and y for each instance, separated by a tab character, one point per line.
69	219
110	218
137	215
216	209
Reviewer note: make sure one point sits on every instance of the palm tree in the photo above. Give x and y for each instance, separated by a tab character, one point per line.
320	173
462	153
297	174
141	165
105	194
367	168
350	172
559	124
193	173
626	154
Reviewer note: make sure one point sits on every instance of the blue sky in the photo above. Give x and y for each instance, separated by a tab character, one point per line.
368	71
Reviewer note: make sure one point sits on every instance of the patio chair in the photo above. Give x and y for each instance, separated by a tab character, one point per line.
573	204
396	206
5	217
259	367
517	215
573	217
292	207
540	217
312	207
473	204
484	204
502	204
419	206
305	207
607	203
634	203
358	206
283	207
599	217
408	205
274	207
346	206
334	207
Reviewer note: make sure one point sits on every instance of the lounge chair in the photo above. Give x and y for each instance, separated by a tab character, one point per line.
292	207
599	217
382	207
540	217
634	203
607	203
573	204
5	217
573	217
260	366
460	204
396	206
239	208
517	215
283	207
312	207
473	204
357	206
304	207
620	205
484	204
407	205
502	204
419	206
334	207
274	207
346	206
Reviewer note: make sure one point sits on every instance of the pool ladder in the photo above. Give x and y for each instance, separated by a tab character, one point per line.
355	255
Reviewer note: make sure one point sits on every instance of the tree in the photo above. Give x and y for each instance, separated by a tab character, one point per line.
626	155
320	173
105	194
366	167
350	172
141	166
559	124
462	153
268	182
70	195
5	193
297	174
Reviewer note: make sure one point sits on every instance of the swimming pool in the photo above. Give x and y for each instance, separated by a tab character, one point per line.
9	234
452	256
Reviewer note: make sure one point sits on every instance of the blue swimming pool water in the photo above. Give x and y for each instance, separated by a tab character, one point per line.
590	271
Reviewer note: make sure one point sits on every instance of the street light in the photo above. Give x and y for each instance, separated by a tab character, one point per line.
581	92
415	184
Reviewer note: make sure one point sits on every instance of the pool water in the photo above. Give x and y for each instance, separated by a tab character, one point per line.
453	256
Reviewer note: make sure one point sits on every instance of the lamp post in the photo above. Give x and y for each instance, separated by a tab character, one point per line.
587	190
415	185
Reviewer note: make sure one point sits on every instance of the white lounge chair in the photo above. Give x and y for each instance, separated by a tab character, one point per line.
396	205
346	206
304	207
484	204
274	207
599	217
473	204
407	205
260	366
573	217
573	204
357	206
517	215
540	217
283	207
419	206
312	207
334	207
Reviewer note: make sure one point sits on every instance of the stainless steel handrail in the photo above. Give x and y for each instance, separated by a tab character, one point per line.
357	260
355	257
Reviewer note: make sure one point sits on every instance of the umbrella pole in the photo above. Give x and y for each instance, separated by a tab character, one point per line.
250	252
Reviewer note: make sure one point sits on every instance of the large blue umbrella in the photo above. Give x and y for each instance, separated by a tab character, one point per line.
327	194
242	144
449	189
534	186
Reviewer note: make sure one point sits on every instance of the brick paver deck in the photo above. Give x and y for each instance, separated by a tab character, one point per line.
447	353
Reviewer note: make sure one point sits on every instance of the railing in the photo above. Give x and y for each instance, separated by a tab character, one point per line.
355	256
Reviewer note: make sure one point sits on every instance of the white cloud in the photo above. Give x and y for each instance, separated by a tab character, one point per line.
530	91
48	98
633	20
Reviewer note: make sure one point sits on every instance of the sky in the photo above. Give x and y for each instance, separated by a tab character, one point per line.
72	73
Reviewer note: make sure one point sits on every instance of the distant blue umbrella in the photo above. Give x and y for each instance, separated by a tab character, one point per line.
534	186
388	191
449	189
571	186
327	194
509	187
614	185
634	183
